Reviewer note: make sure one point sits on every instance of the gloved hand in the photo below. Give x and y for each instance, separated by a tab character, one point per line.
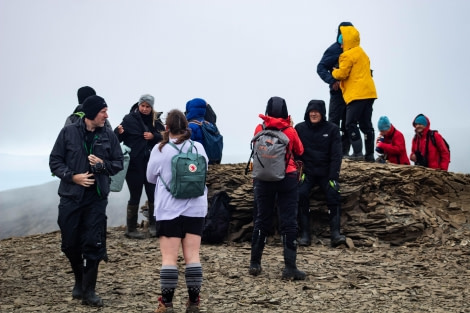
334	184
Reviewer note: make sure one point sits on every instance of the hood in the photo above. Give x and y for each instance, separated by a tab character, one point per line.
275	122
351	38
195	109
339	28
427	119
277	107
318	105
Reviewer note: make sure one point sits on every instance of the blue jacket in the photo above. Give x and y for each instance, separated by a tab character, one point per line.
330	60
195	111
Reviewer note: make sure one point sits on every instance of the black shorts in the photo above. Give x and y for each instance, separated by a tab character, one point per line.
180	226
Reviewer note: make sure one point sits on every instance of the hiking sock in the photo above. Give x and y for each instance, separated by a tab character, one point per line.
193	277
168	282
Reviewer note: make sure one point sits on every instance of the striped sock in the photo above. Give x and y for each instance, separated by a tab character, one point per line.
193	277
168	282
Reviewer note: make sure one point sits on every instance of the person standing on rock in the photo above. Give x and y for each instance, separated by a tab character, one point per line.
179	221
359	92
84	155
140	130
391	143
284	192
322	164
337	107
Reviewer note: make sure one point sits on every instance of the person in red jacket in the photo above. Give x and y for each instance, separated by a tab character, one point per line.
391	143
424	150
282	192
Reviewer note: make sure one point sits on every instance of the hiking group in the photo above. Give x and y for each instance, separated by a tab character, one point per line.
170	162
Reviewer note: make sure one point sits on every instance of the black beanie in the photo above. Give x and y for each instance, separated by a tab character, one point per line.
92	106
84	92
277	107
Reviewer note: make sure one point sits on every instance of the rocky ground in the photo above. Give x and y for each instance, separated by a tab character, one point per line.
410	252
35	277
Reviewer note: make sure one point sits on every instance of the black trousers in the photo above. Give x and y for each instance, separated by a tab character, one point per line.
83	226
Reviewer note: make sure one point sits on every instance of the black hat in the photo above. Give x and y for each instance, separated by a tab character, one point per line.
277	107
84	92
92	106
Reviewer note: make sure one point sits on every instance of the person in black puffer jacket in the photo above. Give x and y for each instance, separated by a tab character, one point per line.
141	131
322	164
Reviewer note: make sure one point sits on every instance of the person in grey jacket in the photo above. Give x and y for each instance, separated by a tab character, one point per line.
84	155
322	164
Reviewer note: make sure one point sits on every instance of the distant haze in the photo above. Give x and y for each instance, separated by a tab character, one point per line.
236	54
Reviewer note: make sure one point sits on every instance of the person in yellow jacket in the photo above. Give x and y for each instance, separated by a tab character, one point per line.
359	92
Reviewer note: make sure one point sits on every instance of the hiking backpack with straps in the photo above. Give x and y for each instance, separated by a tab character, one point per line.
188	173
213	141
270	153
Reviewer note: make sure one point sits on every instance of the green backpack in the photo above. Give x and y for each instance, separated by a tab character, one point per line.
188	173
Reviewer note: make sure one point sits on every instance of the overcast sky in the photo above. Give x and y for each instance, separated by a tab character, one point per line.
236	54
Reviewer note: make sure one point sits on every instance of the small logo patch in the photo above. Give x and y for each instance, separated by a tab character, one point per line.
192	168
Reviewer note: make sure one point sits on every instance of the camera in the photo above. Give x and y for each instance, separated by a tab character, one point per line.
420	159
98	168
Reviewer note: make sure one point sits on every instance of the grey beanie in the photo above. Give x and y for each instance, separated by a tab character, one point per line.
148	99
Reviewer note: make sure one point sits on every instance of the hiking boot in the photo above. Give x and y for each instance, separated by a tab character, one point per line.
164	308
193	307
135	234
356	157
255	269
293	274
369	158
77	292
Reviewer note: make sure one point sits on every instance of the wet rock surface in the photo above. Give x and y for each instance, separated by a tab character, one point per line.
410	252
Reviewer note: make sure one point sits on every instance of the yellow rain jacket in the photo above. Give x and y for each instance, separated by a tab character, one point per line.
354	73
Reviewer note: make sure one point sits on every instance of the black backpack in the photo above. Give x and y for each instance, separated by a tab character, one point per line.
218	217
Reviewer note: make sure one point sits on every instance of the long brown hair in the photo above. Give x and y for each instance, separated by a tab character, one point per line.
177	125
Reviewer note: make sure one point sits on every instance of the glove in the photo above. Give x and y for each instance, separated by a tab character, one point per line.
334	184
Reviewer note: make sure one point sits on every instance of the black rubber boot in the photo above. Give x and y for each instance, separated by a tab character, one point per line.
335	222
132	215
152	222
76	262
290	271
357	150
345	145
90	274
369	143
77	267
304	222
258	242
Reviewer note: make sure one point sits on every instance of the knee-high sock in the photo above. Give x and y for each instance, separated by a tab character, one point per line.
193	277
168	282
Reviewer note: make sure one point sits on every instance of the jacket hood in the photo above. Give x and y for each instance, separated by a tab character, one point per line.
318	105
195	109
277	107
339	28
351	37
275	122
427	119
